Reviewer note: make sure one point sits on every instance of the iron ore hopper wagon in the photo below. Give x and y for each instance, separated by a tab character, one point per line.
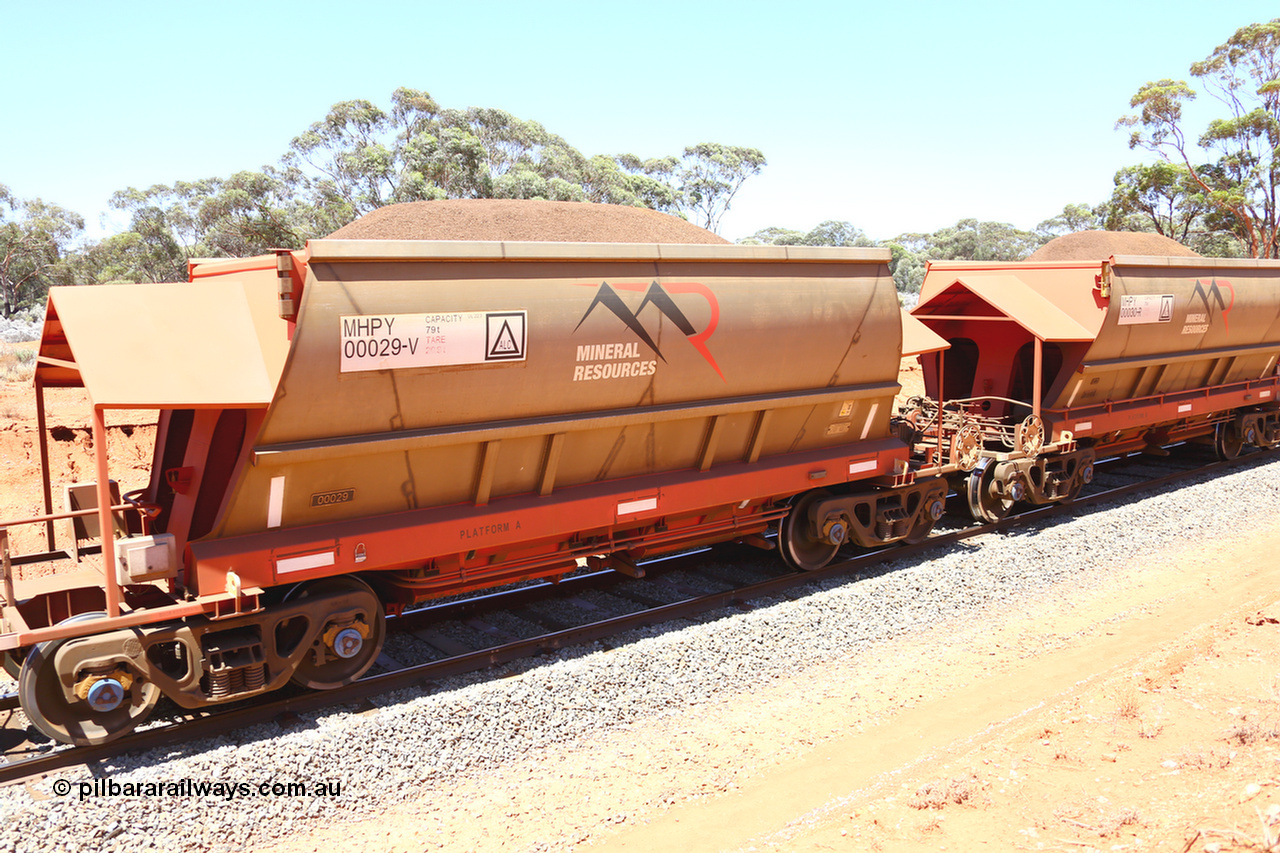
1050	365
352	428
349	429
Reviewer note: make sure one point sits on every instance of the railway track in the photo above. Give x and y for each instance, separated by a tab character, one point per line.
490	630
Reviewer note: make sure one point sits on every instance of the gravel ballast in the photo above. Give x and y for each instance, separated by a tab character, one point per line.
414	745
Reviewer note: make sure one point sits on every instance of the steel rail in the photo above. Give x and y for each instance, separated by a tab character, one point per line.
221	722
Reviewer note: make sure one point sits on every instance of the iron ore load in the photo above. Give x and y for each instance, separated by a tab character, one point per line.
352	428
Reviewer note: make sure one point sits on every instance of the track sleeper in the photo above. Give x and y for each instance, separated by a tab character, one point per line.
447	646
387	662
491	630
542	620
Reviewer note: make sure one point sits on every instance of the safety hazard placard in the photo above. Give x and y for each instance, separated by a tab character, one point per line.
1140	309
398	341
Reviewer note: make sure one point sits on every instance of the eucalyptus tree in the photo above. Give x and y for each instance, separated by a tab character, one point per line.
35	238
710	175
1243	74
1160	197
247	213
828	233
1073	218
360	157
967	240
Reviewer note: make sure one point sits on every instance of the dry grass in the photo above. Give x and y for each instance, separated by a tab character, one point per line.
17	364
1150	730
1128	704
1252	731
1211	759
1111	824
935	795
1267	840
1067	756
928	826
1107	825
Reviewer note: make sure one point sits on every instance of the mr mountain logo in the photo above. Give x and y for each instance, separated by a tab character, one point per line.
613	361
1197	323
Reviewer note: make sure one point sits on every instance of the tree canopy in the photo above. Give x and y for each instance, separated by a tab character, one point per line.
1243	183
34	239
829	233
360	157
711	175
968	239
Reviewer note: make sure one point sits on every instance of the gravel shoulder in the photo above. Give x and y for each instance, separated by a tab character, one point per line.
1136	716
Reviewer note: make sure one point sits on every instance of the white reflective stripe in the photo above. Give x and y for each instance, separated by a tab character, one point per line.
1264	394
1185	407
866	428
306	561
1083	425
275	502
1074	391
860	467
628	507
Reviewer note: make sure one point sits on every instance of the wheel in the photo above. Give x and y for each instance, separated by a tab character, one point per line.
1256	434
1084	478
1227	440
347	646
929	515
984	503
1073	491
800	549
110	708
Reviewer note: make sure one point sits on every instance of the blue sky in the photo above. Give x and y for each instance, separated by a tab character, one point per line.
895	117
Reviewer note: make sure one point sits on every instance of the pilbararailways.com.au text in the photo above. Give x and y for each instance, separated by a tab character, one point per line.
197	788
